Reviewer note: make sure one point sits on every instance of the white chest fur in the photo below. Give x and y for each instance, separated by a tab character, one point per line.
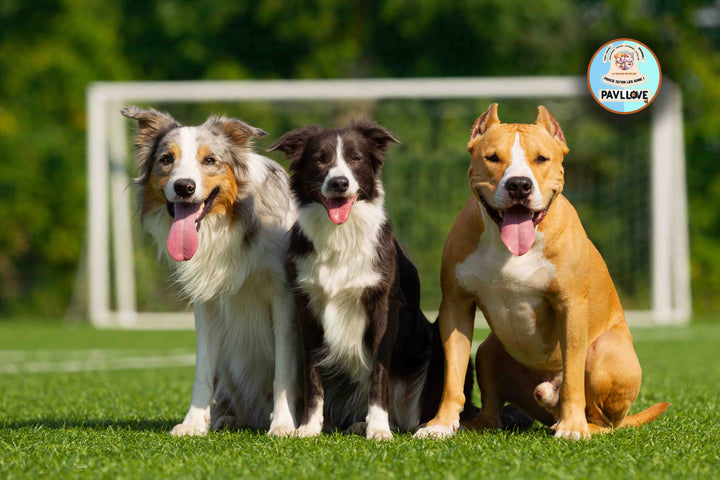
223	260
511	290
335	276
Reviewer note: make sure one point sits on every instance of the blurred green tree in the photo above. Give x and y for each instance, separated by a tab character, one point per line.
51	49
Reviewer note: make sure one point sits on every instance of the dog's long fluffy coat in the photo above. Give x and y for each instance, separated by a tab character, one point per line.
368	348
246	336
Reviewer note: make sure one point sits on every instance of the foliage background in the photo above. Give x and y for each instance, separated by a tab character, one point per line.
51	49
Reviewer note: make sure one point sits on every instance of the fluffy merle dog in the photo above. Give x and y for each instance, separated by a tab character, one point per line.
373	362
220	214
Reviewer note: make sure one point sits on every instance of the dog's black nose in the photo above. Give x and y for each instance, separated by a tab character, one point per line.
184	187
338	184
518	187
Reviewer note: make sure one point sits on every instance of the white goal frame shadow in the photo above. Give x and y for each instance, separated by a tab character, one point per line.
107	176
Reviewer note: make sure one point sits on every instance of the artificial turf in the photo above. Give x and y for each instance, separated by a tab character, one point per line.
114	423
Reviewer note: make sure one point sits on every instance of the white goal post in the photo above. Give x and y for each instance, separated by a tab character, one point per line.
108	181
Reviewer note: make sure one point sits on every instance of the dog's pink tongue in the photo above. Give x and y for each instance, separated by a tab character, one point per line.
182	241
339	209
518	231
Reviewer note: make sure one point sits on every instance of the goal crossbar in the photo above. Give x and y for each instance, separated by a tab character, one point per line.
108	180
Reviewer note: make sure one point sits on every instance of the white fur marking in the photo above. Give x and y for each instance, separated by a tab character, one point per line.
314	424
571	435
341	169
286	340
335	275
437	432
186	167
510	288
518	168
378	424
197	420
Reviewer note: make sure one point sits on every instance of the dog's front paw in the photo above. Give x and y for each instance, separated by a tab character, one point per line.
283	429
308	430
378	433
571	429
189	430
437	431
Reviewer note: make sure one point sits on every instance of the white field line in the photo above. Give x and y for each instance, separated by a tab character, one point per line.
695	333
93	360
50	361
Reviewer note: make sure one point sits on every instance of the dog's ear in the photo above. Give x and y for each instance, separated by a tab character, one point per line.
292	143
379	137
485	121
151	126
236	130
548	122
150	121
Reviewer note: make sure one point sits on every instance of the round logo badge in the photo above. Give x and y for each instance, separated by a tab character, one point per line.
624	76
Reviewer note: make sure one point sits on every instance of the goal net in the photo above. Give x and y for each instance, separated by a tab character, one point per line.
624	174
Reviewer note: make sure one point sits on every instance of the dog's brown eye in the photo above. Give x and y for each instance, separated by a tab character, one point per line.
492	158
209	161
541	159
356	158
167	159
321	160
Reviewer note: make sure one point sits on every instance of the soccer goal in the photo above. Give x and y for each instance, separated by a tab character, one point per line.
624	174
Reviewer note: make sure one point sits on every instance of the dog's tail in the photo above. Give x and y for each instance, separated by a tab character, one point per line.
635	420
646	416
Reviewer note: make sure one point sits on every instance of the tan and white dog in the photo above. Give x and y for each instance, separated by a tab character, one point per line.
560	349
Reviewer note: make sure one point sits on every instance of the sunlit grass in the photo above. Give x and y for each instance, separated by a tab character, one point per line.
115	423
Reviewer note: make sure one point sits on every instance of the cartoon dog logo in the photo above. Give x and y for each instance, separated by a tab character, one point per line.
624	60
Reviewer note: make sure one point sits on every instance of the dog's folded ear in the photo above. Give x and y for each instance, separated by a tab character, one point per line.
485	121
236	130
378	139
150	121
292	143
151	125
378	136
547	121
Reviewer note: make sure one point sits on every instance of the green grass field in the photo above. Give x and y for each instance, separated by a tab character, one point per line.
77	402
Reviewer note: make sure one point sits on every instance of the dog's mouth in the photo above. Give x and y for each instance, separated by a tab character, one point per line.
338	208
182	241
517	224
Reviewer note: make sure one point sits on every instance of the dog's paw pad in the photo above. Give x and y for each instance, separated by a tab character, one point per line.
189	430
281	430
437	432
571	435
307	431
378	434
578	433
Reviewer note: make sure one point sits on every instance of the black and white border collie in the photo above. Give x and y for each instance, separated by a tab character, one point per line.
368	348
221	213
